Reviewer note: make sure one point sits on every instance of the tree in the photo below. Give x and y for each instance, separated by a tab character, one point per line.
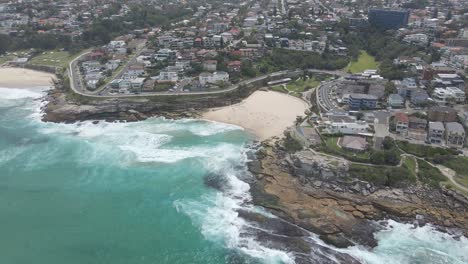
390	88
391	157
377	157
388	143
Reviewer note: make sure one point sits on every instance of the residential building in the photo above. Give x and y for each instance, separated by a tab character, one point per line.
362	101
165	54
401	123
137	83
354	143
234	66
417	39
213	78
210	65
353	128
396	101
417	123
449	95
454	134
419	97
442	114
168	76
388	19
436	132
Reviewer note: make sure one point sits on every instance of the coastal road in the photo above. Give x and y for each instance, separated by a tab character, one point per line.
76	83
324	97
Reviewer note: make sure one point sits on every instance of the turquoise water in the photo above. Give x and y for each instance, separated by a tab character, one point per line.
135	193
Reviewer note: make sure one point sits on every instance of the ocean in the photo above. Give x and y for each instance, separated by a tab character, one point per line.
138	193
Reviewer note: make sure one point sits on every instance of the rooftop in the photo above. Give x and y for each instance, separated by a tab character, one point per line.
454	127
436	125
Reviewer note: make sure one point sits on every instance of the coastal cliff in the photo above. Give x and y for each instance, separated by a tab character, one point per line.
317	193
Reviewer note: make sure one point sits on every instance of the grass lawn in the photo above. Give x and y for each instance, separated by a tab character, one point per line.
381	175
364	62
300	86
410	164
460	165
52	58
6	58
429	174
424	151
161	87
279	88
332	144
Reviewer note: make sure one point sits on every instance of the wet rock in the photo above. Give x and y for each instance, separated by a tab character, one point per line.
255	166
275	225
362	233
338	240
215	181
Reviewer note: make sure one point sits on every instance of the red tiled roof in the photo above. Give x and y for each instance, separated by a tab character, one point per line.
401	117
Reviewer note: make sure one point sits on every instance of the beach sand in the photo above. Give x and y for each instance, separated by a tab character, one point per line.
265	114
24	78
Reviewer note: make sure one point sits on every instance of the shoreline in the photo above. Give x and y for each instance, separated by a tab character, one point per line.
306	189
265	114
21	78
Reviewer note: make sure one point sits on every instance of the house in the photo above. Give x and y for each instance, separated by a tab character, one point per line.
449	94
454	134
92	84
116	44
442	114
419	97
137	83
168	76
417	39
401	123
234	66
165	54
135	70
210	65
396	101
96	55
436	132
353	128
417	123
362	101
216	77
112	65
354	143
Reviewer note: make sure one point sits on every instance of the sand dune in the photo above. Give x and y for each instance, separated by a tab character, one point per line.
24	78
265	114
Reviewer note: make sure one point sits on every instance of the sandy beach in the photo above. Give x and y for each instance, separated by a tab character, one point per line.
24	78
265	114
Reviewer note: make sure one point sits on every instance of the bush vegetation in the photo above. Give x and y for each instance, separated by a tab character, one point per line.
424	151
382	175
429	175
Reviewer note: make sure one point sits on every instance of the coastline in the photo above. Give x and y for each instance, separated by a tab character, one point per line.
20	78
307	190
265	114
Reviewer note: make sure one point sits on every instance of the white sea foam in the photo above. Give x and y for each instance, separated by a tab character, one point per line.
404	244
12	93
217	213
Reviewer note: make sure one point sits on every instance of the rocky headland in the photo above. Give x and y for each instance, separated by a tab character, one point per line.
316	192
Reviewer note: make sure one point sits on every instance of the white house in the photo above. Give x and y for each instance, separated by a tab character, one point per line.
115	44
215	77
455	94
168	76
347	128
